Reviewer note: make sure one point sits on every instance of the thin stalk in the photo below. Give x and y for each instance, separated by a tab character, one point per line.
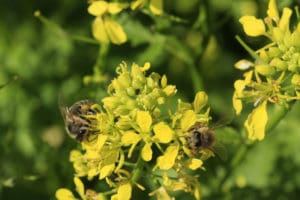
138	171
277	115
247	48
102	55
196	78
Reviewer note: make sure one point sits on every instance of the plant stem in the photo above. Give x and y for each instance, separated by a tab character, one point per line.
101	59
278	114
137	172
247	48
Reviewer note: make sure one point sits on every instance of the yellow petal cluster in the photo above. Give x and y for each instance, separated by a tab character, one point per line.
104	28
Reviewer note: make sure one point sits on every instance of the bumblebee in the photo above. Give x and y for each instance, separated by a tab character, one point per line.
78	125
201	137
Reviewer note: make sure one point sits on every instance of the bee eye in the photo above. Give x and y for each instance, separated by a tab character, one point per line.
82	131
91	111
72	128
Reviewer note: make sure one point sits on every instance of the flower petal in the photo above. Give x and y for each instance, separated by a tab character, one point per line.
144	120
115	7
147	152
163	132
188	119
195	163
253	26
284	22
64	194
130	137
98	8
237	104
98	30
167	160
256	122
273	11
200	101
124	191
156	7
136	4
106	170
79	187
114	31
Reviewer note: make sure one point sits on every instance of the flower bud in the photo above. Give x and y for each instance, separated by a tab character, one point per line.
278	64
265	70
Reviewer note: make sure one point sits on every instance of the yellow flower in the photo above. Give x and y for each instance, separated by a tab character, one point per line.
123	192
104	28
64	194
256	122
161	194
167	160
253	26
136	4
194	163
200	101
163	133
296	79
237	103
264	69
147	152
79	186
144	120
106	170
284	22
273	11
188	119
156	7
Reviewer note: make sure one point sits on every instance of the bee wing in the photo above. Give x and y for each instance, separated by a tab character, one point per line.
220	150
62	107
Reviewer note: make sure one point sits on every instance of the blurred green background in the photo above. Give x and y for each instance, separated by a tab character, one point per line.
41	62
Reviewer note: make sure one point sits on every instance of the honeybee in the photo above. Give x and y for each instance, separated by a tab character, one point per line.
78	125
201	137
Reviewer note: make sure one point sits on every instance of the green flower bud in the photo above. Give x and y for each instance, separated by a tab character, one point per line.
278	35
296	79
278	64
265	70
292	67
274	52
170	90
282	47
131	91
264	56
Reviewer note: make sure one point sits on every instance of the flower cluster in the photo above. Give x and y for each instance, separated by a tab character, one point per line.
140	140
273	77
105	29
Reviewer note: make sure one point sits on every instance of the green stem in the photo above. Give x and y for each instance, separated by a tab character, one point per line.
196	78
277	115
102	55
84	39
247	48
138	171
56	29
